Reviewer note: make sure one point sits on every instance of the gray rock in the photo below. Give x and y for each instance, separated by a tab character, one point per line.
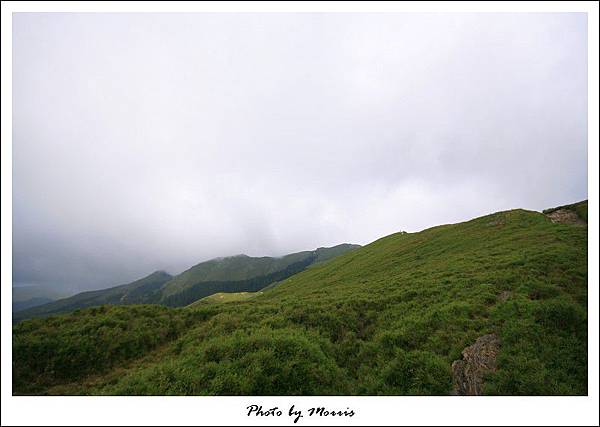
565	216
478	359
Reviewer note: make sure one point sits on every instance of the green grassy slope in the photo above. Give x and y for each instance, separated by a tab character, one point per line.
243	267
388	318
223	297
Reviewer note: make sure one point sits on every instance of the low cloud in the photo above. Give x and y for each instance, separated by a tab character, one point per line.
155	141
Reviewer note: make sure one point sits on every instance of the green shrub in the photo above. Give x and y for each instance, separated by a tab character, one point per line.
264	362
417	373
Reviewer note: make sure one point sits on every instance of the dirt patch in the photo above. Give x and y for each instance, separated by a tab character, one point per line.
497	221
504	296
478	359
565	216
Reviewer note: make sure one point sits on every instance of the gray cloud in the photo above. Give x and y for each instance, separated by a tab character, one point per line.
147	141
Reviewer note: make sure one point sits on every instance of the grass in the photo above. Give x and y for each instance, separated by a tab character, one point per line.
388	318
223	297
242	268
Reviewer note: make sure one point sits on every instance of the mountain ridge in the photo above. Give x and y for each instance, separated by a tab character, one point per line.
225	274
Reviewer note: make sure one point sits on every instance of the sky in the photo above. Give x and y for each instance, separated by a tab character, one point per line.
156	141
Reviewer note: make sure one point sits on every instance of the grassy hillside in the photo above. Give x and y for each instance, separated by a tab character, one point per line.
222	297
243	268
387	318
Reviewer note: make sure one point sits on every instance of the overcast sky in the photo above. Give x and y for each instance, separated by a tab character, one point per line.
156	141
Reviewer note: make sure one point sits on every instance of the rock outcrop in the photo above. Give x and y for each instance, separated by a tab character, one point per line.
565	216
478	359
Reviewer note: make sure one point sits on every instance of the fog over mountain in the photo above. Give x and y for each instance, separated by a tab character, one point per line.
155	141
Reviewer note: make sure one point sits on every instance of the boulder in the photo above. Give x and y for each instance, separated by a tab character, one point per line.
478	359
565	216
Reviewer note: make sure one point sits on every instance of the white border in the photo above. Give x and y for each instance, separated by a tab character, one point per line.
299	6
230	410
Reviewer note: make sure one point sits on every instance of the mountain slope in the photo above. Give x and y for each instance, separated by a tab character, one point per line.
387	318
243	267
241	274
29	303
24	297
140	291
232	274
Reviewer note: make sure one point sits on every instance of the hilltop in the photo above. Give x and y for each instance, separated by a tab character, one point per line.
398	316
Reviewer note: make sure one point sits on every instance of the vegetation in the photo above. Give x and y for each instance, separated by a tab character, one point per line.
222	297
64	348
242	269
239	273
388	318
253	284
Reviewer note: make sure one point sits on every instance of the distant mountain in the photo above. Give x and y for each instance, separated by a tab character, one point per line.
240	273
31	302
24	297
140	291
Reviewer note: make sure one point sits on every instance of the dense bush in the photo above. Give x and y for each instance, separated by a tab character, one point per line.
68	347
263	362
